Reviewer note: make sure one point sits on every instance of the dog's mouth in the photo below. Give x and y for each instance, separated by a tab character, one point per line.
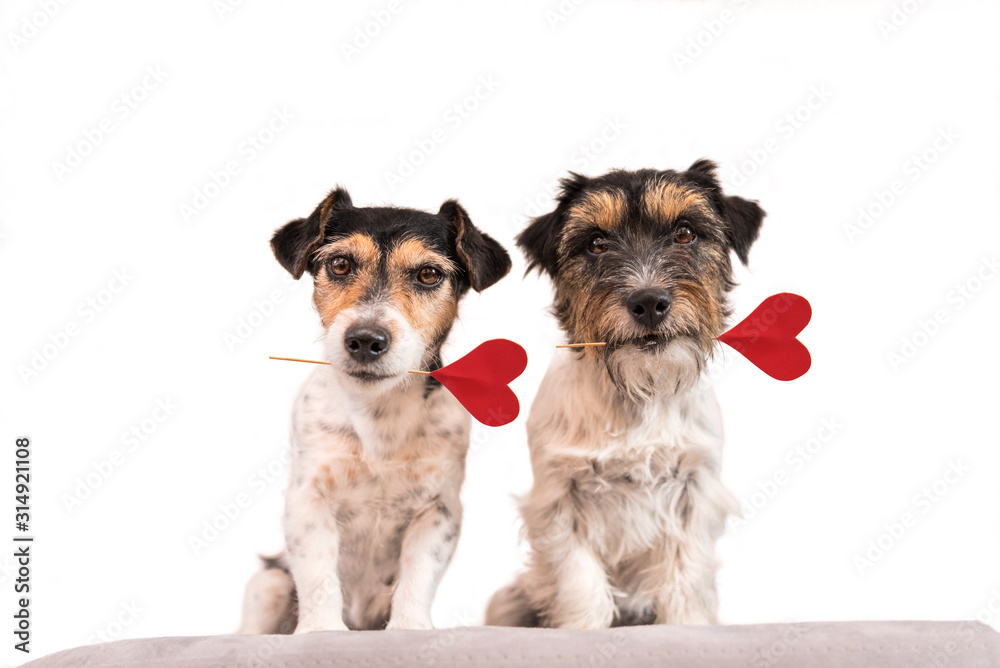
646	343
650	341
368	376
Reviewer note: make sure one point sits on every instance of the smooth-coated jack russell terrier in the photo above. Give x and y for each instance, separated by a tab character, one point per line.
372	511
626	439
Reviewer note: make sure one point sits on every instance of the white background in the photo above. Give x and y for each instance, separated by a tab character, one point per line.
598	86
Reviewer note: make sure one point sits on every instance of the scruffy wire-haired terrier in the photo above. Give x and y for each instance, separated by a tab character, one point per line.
372	510
626	438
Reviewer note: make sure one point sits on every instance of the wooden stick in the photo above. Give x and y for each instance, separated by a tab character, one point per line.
602	343
296	359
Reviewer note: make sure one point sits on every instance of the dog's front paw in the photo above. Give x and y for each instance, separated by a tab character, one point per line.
590	612
595	620
409	623
693	617
314	626
583	599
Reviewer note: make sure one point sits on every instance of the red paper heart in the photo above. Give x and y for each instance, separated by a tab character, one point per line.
479	380
766	337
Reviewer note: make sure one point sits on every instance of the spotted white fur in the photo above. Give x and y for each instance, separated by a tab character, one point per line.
626	503
372	511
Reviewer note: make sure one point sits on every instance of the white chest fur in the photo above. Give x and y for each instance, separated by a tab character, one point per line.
626	499
364	470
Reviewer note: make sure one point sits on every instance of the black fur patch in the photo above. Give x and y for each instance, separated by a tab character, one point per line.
615	237
482	261
294	243
742	218
485	261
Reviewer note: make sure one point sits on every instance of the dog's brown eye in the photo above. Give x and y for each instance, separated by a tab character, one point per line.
429	276
683	235
598	245
340	266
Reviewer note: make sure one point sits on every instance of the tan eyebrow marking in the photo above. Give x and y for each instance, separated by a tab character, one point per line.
665	201
360	246
412	253
333	296
429	312
604	208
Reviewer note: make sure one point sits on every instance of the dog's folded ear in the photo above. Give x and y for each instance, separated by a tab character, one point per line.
539	241
743	217
485	261
296	241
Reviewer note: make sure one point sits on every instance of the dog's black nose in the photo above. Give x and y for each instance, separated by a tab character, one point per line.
366	342
649	306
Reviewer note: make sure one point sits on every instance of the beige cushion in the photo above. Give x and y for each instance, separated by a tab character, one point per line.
820	644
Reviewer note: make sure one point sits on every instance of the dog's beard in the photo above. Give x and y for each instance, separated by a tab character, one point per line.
644	364
644	373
